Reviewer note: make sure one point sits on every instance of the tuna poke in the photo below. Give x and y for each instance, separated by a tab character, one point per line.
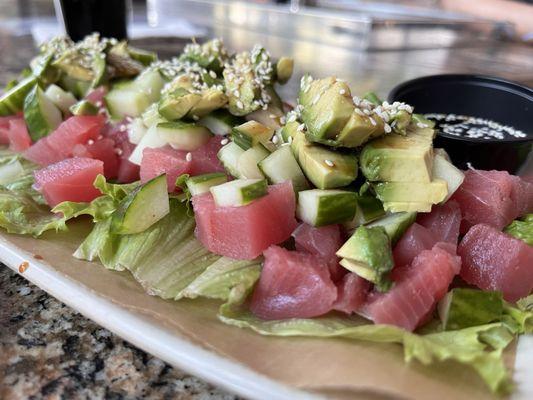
334	217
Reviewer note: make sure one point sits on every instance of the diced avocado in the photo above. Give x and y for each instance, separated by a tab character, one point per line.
63	100
284	69
176	104
99	70
143	56
210	100
247	164
325	168
12	101
463	307
202	183
370	250
420	119
400	121
229	156
71	62
288	131
183	136
281	166
40	114
396	158
368	209
83	107
406	206
445	170
433	192
327	106
251	133
241	87
77	87
373	98
395	224
220	122
421	132
319	207
210	55
142	208
359	129
239	192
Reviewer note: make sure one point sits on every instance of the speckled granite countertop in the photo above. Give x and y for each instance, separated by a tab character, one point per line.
49	351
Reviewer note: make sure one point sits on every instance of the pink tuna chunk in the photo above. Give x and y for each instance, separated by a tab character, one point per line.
352	293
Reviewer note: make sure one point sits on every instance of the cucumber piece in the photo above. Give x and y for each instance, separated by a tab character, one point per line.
40	114
62	100
395	224
239	192
252	133
136	130
445	170
247	162
220	122
150	140
10	171
83	107
368	209
202	183
182	135
281	166
12	101
142	208
151	116
319	207
229	157
464	307
133	98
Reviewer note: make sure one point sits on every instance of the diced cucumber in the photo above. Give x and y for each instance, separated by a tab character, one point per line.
247	162
12	101
132	99
84	107
151	116
319	207
150	140
281	166
142	208
252	133
239	192
220	122
10	171
368	209
202	183
395	224
445	170
63	100
136	130
40	114
229	157
183	136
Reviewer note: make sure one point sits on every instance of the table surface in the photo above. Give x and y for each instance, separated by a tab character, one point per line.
48	349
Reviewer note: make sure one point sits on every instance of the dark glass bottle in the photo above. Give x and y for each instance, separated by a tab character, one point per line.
82	17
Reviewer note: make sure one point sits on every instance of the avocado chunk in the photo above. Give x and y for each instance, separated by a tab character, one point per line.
40	114
12	101
284	69
433	192
406	206
397	158
395	224
400	121
176	104
368	254
325	168
327	106
368	209
464	307
84	107
211	99
359	129
210	55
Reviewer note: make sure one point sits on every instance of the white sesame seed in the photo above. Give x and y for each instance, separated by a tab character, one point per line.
195	117
236	93
289	140
212	74
98	103
240	104
372	121
300	127
188	157
387	128
342	92
90	141
272	116
122	128
224	141
275	139
329	163
118	151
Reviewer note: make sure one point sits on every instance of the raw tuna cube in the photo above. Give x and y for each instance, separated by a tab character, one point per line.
413	241
104	150
245	232
416	290
69	180
443	221
204	160
127	171
352	293
96	96
18	136
41	153
322	242
164	160
292	285
493	260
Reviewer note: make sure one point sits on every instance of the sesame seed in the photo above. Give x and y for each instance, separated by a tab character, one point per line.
224	141
329	163
289	140
236	93
123	128
300	127
240	104
195	117
118	151
90	141
282	120
272	116
387	128
213	74
188	157
342	92
372	121
98	104
275	139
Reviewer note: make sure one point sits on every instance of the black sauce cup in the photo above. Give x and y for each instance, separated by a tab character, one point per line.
485	97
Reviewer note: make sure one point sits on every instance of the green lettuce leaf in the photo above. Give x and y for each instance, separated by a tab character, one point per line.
479	347
522	229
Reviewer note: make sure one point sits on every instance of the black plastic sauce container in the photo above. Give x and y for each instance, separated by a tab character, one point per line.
504	102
